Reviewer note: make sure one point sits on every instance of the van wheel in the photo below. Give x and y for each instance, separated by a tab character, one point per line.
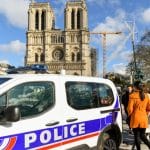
106	142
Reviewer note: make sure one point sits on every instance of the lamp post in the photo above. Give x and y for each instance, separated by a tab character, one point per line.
133	48
132	31
134	60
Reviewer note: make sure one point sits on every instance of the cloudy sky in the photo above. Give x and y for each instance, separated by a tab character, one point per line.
103	16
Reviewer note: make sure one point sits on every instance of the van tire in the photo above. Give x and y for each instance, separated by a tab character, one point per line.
106	142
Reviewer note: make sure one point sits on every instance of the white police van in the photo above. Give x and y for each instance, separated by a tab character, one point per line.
60	112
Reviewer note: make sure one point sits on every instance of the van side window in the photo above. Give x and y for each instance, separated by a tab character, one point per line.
83	95
2	104
105	94
32	98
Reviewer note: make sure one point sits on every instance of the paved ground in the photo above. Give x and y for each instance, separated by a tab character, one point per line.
128	140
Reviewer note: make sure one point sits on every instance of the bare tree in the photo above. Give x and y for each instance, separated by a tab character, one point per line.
142	54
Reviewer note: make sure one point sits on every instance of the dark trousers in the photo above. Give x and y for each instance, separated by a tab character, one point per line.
139	134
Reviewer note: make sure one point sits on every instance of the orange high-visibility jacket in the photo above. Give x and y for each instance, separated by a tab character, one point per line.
137	110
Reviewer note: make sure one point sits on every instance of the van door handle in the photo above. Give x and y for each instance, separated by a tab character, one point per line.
71	119
52	123
110	110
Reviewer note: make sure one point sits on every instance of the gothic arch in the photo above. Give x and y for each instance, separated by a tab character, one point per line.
36	57
78	56
39	50
43	20
42	57
62	39
79	12
72	56
37	20
76	49
73	19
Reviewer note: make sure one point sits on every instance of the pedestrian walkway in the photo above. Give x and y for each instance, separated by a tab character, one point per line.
128	140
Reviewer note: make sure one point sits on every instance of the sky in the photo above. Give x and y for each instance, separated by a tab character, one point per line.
130	17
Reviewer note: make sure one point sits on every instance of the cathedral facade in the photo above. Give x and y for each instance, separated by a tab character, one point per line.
66	49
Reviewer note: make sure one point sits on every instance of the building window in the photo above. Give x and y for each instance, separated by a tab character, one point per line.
43	20
37	20
42	58
59	39
53	39
62	39
79	19
78	37
72	19
58	54
78	56
73	57
36	57
72	38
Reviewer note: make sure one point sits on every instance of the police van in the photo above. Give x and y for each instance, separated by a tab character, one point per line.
60	112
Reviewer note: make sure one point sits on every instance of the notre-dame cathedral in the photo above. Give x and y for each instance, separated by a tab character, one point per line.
60	49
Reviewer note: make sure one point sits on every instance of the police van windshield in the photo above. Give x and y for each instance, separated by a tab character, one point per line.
2	80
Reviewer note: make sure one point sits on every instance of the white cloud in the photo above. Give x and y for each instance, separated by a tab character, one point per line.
105	2
60	10
4	62
115	44
119	68
15	11
126	56
113	25
146	15
13	46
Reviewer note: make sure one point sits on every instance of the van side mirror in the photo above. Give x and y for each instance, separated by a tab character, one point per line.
12	114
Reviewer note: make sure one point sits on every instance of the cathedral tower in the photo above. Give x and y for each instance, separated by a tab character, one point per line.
41	20
59	49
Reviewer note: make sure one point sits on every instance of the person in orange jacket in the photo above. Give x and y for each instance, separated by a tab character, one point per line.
138	108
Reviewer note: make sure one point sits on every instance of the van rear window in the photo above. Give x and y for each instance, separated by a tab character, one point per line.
2	80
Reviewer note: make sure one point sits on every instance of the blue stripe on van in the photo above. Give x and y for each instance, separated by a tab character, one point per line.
55	134
48	136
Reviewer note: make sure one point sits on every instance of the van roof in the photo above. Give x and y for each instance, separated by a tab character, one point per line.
46	76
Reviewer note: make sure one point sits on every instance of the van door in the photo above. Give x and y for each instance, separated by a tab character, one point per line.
39	127
86	104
